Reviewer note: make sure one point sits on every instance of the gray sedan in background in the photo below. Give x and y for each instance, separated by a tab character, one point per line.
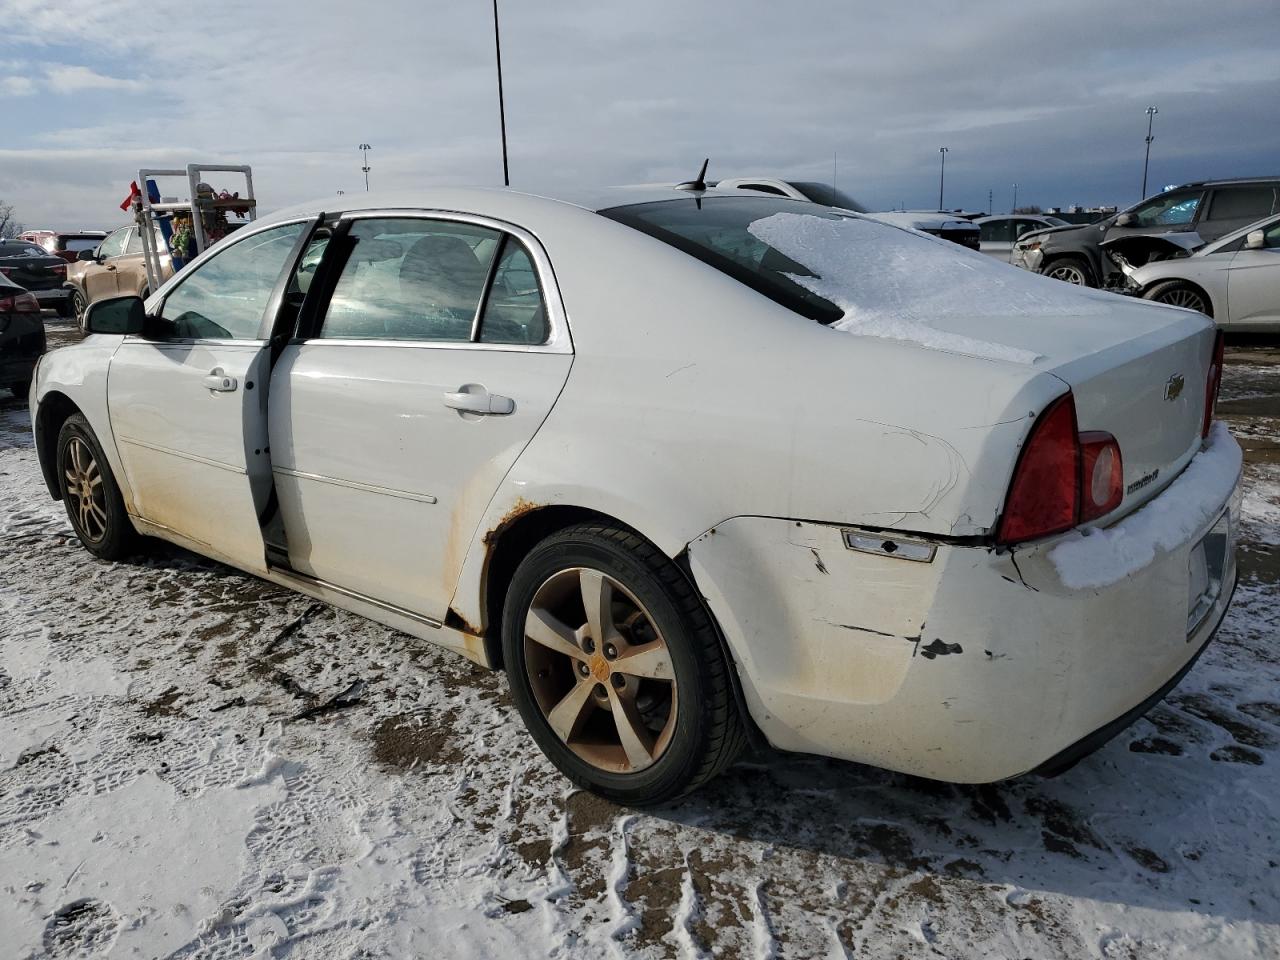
1234	280
999	233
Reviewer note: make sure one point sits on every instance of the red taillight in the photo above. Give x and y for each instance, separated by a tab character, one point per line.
1101	475
58	268
1044	496
1213	384
1063	477
22	303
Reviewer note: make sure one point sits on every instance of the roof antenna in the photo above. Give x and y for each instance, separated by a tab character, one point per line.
700	184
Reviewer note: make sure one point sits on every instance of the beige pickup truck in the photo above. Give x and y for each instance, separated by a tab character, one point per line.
115	267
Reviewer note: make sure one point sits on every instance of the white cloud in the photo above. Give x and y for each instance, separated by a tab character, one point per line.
16	87
63	78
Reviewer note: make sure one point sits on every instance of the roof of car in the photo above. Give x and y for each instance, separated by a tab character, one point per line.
1227	180
492	200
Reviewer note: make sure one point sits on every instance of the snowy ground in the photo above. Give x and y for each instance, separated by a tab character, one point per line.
174	780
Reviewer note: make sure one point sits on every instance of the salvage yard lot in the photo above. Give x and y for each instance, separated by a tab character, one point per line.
197	763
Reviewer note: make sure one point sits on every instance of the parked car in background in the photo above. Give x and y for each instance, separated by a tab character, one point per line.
997	234
955	227
1235	280
663	540
66	244
1210	208
22	339
37	271
114	267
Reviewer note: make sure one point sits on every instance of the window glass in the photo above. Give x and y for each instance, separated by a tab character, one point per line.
21	248
1174	209
1025	226
514	312
1241	203
224	298
410	279
1273	235
996	231
113	246
763	188
714	231
76	244
826	194
134	244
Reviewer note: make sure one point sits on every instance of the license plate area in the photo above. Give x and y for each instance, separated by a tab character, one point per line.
1208	567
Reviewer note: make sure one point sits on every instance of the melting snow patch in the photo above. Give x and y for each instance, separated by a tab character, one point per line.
895	285
1097	558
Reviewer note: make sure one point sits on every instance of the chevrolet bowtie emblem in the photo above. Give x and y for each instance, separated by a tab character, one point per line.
1173	388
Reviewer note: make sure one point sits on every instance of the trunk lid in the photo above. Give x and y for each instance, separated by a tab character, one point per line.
35	273
1149	394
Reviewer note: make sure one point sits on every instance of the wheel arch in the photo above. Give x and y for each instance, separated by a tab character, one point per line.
54	409
523	528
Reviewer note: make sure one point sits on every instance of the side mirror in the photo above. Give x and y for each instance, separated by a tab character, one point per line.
87	255
1255	240
117	315
1126	220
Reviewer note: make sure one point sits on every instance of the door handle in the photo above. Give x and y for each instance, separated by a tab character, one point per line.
219	382
473	398
111	266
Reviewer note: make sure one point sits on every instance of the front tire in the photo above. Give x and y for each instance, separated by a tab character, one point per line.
90	494
1071	270
616	667
78	306
1179	293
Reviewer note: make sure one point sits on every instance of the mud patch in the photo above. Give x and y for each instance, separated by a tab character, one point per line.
408	740
84	928
1234	754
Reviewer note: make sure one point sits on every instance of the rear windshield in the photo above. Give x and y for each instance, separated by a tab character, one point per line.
76	244
714	230
828	195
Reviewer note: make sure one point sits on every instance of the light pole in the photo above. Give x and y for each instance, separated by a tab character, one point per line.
1151	114
364	148
1014	208
942	175
502	110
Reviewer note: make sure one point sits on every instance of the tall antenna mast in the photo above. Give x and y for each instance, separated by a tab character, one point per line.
502	110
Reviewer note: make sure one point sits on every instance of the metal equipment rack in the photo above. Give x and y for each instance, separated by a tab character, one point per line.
145	210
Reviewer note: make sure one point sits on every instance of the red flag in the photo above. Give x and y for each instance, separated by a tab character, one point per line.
134	194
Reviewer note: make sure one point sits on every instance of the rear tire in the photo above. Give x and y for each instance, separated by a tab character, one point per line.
66	308
90	494
1071	270
679	725
1179	293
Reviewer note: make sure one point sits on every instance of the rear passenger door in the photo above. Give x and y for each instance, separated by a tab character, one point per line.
429	353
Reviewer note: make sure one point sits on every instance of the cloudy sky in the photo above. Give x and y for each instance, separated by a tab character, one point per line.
1050	96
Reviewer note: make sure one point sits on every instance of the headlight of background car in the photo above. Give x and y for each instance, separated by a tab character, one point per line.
1029	245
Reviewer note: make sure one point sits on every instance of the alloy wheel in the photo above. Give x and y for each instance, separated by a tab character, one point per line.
1183	297
84	489
600	670
1067	272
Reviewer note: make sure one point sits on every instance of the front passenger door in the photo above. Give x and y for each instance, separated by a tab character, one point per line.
100	277
1253	284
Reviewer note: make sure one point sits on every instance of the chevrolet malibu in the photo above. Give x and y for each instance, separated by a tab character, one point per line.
696	469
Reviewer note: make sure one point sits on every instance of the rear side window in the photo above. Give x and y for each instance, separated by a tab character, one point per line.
1242	203
134	245
410	279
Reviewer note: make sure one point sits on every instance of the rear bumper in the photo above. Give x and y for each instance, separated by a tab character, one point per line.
52	297
974	666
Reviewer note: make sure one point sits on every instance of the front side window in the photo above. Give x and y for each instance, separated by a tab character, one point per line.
1171	210
410	279
996	231
113	246
1273	236
1241	203
225	297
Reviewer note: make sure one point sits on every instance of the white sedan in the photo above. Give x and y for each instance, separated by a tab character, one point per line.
695	468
